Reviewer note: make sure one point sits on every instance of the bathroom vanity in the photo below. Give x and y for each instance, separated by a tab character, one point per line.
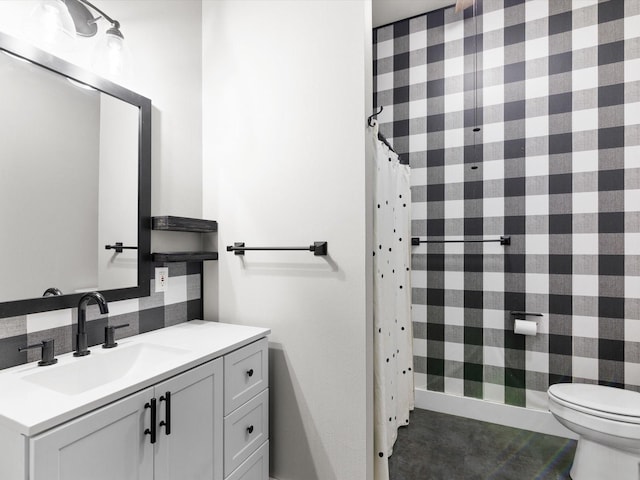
185	402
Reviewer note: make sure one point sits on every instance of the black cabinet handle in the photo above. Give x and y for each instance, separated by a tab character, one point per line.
250	372
250	429
166	423
151	431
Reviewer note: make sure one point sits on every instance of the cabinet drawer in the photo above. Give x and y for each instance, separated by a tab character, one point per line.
246	374
245	430
256	467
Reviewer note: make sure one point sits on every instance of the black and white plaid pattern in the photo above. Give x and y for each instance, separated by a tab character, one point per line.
556	165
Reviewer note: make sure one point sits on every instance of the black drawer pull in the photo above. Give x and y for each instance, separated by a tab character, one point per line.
166	423
250	372
250	429
151	431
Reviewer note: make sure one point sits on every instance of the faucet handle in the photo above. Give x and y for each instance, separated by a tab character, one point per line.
109	335
47	347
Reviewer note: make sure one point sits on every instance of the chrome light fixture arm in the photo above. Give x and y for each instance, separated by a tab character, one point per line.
84	20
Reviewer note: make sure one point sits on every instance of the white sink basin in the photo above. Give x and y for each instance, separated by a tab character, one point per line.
101	367
34	399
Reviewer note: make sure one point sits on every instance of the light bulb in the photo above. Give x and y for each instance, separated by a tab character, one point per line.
112	58
50	26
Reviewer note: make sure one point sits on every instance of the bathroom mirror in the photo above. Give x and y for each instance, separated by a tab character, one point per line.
75	183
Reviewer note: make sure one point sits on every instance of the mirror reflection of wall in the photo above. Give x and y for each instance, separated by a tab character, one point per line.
68	184
118	193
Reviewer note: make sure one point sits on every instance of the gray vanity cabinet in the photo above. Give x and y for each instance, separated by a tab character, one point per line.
102	445
111	443
193	449
202	414
246	410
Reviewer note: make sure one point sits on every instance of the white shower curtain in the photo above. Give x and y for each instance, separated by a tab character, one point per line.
393	344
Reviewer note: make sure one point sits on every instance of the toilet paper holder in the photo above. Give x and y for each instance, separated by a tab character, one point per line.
522	315
521	326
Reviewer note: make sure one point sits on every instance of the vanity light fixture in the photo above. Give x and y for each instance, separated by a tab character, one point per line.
50	25
57	23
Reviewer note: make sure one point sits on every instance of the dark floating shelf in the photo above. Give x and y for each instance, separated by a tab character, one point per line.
183	224
184	256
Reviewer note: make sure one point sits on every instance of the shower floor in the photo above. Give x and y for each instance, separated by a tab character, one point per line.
437	446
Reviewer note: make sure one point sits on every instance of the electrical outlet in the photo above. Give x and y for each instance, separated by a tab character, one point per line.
162	279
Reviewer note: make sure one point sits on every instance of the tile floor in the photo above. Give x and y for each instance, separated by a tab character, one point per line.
436	446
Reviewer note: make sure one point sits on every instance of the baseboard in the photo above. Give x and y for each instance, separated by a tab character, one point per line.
507	415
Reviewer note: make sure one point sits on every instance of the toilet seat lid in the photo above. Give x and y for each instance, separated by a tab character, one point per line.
606	400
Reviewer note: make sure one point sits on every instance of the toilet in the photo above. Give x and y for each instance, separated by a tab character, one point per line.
607	420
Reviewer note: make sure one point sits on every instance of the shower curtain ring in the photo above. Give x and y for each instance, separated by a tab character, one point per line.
373	116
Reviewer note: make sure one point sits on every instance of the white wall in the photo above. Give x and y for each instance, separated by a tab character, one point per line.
117	192
165	39
286	91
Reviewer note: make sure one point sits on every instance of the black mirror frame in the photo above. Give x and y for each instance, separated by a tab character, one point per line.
34	55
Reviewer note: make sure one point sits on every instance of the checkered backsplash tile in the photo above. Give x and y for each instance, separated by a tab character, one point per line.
181	302
554	87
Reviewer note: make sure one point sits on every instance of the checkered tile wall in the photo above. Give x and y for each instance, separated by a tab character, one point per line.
554	87
180	303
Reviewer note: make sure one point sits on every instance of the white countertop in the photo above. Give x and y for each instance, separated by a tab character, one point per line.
29	408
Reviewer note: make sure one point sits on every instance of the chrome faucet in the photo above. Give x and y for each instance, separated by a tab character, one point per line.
81	337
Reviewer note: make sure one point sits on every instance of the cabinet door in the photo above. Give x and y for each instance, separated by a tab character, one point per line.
193	449
106	444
